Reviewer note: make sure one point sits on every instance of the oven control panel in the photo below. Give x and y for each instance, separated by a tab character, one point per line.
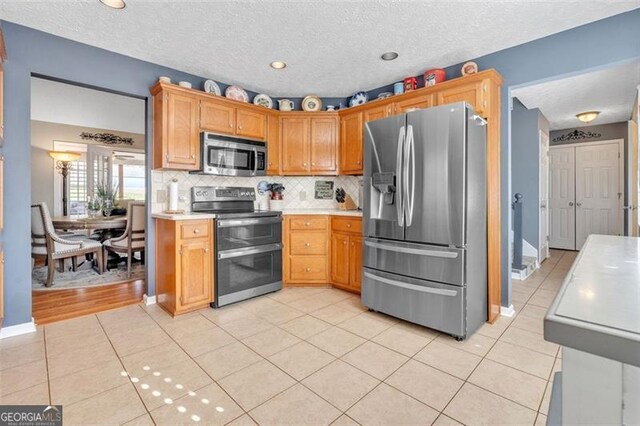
222	193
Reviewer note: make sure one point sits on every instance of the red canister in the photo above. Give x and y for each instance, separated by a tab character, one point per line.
410	83
434	76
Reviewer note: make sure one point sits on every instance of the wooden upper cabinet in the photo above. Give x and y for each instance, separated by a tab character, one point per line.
475	94
182	133
217	118
273	145
351	143
422	101
324	135
251	124
376	113
294	143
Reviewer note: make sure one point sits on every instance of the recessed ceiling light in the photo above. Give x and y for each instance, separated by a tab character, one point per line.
587	116
278	65
115	4
389	56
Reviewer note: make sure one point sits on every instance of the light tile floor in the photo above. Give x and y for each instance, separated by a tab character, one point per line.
299	356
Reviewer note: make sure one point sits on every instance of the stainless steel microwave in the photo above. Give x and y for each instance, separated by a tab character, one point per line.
227	156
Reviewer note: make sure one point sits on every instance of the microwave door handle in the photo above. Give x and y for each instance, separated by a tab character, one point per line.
255	162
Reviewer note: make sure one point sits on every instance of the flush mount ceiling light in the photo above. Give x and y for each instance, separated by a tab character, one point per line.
389	56
278	65
115	4
587	116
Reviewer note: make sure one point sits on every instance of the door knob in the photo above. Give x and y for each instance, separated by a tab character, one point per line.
570	203
578	204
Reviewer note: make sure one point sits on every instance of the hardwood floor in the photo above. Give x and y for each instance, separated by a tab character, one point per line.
55	305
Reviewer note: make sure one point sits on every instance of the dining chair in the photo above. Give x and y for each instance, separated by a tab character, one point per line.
48	245
134	237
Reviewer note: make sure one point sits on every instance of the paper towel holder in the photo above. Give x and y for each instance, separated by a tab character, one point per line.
170	211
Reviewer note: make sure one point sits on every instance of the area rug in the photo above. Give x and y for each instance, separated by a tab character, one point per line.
85	276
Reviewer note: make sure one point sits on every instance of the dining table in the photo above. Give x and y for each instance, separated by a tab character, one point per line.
84	222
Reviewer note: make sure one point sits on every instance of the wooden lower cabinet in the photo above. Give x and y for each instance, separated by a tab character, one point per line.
306	250
346	252
184	264
323	250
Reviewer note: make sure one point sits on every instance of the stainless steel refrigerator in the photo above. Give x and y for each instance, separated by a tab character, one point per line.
425	220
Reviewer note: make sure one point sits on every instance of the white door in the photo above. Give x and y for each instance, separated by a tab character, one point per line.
562	216
543	251
632	182
598	192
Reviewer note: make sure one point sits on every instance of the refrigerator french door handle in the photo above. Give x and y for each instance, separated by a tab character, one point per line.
420	288
399	183
409	250
409	187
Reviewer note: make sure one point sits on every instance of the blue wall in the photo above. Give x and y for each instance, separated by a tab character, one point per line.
574	51
525	152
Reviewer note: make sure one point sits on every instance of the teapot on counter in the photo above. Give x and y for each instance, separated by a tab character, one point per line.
285	105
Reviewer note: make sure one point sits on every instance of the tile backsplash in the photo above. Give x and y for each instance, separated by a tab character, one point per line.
298	194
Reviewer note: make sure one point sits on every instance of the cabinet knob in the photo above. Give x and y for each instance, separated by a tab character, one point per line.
307	244
193	156
270	163
358	163
348	225
240	127
304	164
308	269
196	231
313	164
307	224
344	242
352	244
230	124
207	250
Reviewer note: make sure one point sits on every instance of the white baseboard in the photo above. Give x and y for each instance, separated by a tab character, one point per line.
148	300
18	329
507	312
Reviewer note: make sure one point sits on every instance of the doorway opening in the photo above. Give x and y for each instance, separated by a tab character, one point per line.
88	197
578	173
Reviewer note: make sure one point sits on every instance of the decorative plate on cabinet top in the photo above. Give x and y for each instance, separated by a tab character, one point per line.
236	93
263	100
212	87
311	103
469	68
385	95
358	99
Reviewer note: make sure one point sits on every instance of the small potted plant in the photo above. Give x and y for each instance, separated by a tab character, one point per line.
107	196
276	201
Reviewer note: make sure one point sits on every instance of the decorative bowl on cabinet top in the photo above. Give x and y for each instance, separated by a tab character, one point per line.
236	93
311	103
212	87
263	100
358	99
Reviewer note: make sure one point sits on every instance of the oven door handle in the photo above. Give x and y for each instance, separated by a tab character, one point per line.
228	254
228	223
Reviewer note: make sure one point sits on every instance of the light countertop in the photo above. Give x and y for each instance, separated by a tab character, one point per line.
596	309
332	212
200	216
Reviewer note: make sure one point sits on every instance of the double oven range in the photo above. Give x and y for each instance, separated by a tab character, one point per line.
248	243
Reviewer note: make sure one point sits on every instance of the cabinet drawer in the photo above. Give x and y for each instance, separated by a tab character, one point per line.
308	222
347	224
307	243
194	229
308	268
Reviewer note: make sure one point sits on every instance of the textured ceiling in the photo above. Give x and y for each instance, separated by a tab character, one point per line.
611	91
332	47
